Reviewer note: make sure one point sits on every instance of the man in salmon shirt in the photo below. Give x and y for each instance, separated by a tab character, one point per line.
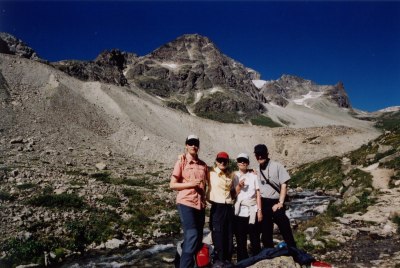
189	179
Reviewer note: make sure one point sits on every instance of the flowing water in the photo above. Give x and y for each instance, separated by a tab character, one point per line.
303	206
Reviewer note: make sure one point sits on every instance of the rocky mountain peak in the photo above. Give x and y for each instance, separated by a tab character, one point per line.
192	70
338	94
115	57
292	80
9	44
188	48
289	88
107	67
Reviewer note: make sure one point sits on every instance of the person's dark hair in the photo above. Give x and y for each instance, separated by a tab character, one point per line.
261	149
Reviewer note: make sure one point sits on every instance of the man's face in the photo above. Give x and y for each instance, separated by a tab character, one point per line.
261	158
192	146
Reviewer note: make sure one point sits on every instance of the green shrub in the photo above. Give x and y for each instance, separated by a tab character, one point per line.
393	164
360	178
359	156
136	182
177	106
133	195
172	225
111	200
23	252
26	186
379	156
96	228
392	138
396	220
226	117
5	196
325	174
102	176
75	172
389	121
262	120
61	201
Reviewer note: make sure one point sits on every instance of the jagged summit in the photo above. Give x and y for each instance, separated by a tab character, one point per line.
9	44
187	48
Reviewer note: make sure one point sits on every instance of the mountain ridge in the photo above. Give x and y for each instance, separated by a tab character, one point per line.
225	75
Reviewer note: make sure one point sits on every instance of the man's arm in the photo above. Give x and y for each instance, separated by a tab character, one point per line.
174	184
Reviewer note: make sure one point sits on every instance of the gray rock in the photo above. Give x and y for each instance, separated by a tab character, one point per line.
101	166
16	140
347	182
114	243
311	232
351	200
278	262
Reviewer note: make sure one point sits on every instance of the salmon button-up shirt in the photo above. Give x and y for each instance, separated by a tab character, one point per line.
185	171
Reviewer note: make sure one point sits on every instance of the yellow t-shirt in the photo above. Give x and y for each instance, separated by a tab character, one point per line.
219	187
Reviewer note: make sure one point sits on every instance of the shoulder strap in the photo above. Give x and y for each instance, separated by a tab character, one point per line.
183	164
276	188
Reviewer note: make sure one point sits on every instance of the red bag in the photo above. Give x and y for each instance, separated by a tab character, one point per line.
203	256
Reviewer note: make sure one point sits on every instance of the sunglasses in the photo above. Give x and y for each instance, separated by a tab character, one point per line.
222	160
261	156
193	143
242	160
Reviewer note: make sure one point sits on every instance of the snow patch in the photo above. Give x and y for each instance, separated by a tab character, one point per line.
170	65
215	89
309	95
259	83
198	97
390	109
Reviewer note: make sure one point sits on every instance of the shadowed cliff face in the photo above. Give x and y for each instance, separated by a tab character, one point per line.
107	67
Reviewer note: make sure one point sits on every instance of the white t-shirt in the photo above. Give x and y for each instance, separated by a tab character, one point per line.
247	192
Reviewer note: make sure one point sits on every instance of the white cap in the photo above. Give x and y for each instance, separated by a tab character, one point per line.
192	137
243	155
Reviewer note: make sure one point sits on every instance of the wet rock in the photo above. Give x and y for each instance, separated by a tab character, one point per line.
114	243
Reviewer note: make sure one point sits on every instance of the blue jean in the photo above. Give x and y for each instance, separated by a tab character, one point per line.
192	221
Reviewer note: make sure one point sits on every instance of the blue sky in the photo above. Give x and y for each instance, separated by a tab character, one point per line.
354	42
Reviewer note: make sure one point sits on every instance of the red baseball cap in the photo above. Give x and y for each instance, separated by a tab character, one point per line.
223	155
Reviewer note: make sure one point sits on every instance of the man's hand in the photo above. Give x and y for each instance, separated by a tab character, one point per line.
277	206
